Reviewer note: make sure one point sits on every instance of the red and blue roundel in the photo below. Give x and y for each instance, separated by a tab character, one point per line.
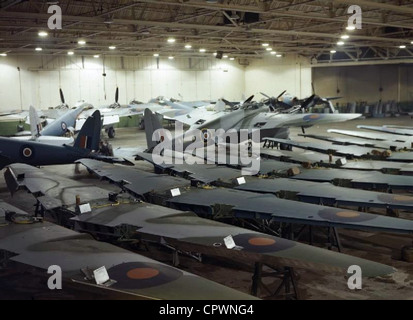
27	152
313	117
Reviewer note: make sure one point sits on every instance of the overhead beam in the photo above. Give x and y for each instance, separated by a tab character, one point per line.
378	5
272	12
327	64
98	20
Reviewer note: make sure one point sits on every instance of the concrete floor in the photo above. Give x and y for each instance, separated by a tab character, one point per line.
313	284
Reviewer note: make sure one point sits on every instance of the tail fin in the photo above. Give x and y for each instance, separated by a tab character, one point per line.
89	135
35	123
152	124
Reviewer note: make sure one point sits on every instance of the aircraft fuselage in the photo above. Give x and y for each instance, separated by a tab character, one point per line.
37	154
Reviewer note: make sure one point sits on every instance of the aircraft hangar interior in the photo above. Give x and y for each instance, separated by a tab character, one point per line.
206	149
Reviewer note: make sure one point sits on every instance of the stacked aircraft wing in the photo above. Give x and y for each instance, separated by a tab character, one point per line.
182	229
42	245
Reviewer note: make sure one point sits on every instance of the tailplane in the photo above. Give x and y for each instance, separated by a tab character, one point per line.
89	135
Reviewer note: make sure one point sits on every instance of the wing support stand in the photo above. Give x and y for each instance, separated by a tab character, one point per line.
5	258
39	210
333	239
286	275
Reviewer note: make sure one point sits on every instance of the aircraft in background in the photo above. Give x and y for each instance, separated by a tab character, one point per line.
252	115
47	117
286	102
37	154
53	133
111	114
167	109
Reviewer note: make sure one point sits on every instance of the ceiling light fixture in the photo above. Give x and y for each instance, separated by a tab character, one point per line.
225	56
43	34
171	40
38	49
340	43
81	42
156	55
351	28
70	53
265	44
202	50
170	58
214	54
333	51
279	55
273	52
96	56
112	47
269	49
402	47
188	46
232	58
345	36
3	54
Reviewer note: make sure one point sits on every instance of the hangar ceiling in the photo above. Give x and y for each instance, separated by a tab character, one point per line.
237	28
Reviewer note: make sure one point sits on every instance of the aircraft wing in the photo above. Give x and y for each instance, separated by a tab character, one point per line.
42	245
396	131
270	121
183	230
109	117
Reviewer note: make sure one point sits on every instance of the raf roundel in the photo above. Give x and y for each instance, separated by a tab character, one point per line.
140	275
64	126
313	117
26	152
261	243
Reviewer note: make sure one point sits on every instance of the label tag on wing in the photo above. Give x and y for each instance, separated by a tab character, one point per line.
229	242
175	192
241	180
84	208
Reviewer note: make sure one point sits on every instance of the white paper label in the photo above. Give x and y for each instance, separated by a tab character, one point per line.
83	208
175	192
241	180
229	242
101	275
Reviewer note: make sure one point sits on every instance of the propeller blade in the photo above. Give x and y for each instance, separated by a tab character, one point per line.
249	99
312	87
307	102
62	97
281	94
228	103
117	95
265	95
303	130
333	98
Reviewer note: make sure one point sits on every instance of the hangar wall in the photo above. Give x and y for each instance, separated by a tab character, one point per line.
140	78
273	75
190	79
362	82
